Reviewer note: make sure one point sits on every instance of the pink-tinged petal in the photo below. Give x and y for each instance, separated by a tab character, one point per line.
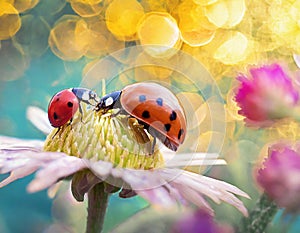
150	186
54	171
194	197
39	118
21	158
141	180
100	168
214	189
18	173
158	196
11	143
222	185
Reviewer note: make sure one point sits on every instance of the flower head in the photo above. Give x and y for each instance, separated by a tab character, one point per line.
280	177
198	222
94	149
268	94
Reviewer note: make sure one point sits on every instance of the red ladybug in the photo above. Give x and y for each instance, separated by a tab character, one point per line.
154	106
65	103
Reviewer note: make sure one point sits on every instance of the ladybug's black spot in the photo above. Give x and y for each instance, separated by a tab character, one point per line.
181	131
173	116
159	101
167	127
142	98
70	104
55	116
57	100
146	114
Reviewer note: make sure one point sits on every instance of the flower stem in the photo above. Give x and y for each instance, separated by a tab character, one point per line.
97	205
259	217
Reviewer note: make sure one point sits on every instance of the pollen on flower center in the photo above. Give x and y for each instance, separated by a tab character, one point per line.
96	136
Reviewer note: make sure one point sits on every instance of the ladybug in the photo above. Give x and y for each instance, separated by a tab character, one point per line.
154	106
65	103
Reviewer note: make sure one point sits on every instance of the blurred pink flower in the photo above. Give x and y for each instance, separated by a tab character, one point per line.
199	222
268	94
164	186
280	177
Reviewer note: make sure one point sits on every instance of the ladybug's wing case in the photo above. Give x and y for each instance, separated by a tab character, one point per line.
62	108
158	107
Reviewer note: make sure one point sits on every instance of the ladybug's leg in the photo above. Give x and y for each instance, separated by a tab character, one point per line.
116	113
153	145
58	129
154	134
139	133
70	122
81	113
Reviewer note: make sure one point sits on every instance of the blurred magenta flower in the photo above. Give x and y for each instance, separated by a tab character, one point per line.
199	221
268	94
280	177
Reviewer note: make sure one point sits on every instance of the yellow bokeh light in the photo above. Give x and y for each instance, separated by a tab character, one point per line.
236	11
24	5
197	38
160	30
204	2
196	29
87	8
232	50
226	13
122	17
10	21
217	13
149	68
67	39
97	38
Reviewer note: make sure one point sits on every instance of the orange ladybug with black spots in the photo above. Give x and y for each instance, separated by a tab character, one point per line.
154	106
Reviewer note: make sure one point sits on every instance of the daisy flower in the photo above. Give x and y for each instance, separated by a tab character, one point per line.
104	154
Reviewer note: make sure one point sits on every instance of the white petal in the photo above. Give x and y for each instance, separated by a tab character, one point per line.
218	183
100	168
39	118
142	180
158	196
11	143
214	189
180	160
54	171
297	59
194	197
18	173
198	162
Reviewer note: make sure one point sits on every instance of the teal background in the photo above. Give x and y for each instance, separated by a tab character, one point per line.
21	212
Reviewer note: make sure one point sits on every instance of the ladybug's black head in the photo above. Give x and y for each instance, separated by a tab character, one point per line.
109	101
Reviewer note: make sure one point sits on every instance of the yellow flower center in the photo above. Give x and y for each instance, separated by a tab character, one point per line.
118	139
